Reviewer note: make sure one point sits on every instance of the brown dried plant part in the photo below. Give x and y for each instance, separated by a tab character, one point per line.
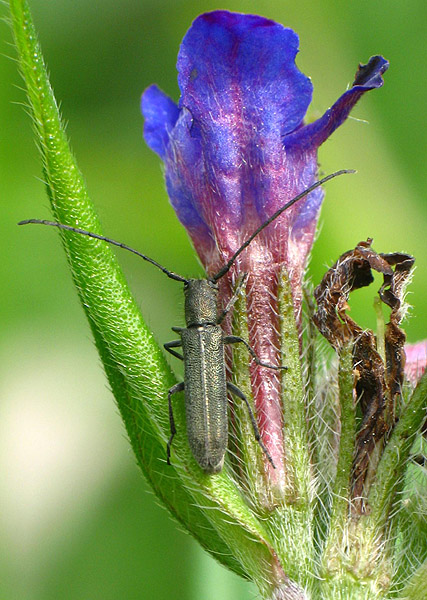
392	293
377	384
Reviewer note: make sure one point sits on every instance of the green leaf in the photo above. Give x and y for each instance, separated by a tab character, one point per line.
394	460
411	527
416	588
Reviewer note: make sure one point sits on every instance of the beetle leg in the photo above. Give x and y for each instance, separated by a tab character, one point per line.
235	390
178	387
235	339
174	344
233	299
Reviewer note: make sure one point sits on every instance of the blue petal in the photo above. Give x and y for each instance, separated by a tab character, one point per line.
231	63
161	114
243	92
368	77
185	184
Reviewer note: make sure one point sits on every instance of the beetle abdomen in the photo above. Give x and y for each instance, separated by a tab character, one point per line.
206	395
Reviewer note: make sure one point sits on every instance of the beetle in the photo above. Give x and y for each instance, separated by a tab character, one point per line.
203	345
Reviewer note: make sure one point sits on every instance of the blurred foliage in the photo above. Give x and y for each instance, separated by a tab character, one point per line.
108	539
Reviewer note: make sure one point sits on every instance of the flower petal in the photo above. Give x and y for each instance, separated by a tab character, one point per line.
239	81
302	143
244	66
241	93
368	77
161	114
416	361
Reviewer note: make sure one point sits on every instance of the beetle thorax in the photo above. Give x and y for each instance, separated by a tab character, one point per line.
201	302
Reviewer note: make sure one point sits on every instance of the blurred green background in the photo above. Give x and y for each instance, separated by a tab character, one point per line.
76	518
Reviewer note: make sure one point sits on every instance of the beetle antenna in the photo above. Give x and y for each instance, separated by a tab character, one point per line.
227	266
170	274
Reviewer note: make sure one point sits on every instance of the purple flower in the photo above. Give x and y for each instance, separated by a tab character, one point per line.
235	150
416	361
